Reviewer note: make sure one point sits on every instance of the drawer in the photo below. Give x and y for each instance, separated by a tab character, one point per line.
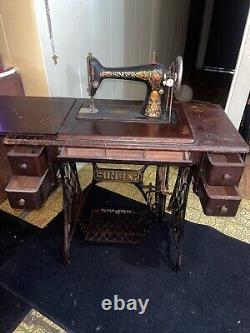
27	161
223	169
125	155
27	192
218	200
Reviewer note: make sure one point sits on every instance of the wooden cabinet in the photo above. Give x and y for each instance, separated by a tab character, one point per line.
28	192
34	170
219	200
223	169
217	184
28	161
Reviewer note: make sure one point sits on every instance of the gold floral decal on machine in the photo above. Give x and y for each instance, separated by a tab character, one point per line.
154	77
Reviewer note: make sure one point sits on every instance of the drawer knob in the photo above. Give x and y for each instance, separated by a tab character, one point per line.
23	166
227	176
224	209
21	202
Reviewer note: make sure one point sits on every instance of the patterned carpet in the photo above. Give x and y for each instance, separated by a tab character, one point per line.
237	227
35	322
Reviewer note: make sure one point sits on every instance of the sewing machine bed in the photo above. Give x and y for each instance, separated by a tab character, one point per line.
124	112
126	115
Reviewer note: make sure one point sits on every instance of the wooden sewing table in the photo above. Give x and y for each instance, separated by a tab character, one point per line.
197	129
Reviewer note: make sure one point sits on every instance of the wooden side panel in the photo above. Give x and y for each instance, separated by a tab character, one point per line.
5	173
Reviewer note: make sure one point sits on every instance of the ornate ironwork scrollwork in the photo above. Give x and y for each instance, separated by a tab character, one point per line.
177	206
72	203
154	196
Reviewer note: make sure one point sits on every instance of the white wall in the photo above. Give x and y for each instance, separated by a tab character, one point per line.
239	91
117	32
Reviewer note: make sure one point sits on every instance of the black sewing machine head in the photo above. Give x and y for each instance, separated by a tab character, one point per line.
160	80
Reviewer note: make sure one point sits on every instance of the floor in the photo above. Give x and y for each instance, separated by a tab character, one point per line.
35	322
237	227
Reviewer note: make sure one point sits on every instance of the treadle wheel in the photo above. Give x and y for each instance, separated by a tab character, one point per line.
116	226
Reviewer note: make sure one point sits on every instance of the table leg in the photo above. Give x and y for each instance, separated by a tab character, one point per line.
72	203
177	205
161	190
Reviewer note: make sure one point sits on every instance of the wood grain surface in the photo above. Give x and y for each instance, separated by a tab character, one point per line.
211	128
33	115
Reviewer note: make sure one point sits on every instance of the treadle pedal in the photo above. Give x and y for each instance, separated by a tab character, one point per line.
116	226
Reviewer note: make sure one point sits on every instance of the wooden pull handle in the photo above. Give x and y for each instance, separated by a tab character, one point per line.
224	209
23	166
21	202
227	176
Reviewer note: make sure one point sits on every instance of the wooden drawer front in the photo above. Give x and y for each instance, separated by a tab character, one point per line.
27	161
131	155
219	200
223	170
28	192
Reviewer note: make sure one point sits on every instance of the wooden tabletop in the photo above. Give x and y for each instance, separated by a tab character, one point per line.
209	129
33	115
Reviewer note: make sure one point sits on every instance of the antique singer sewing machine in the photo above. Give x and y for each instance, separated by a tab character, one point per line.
196	137
159	79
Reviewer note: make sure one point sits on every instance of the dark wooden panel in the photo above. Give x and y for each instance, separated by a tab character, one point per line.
33	115
213	130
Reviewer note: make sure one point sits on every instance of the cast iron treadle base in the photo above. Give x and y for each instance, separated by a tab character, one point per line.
116	226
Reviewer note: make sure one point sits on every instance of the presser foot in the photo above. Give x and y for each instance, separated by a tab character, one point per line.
83	111
88	110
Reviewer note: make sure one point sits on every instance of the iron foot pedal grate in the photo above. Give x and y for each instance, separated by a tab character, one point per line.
116	226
